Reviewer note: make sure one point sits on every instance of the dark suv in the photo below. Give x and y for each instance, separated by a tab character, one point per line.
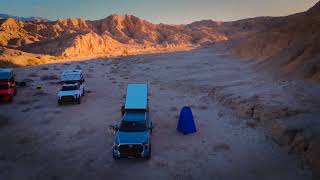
133	137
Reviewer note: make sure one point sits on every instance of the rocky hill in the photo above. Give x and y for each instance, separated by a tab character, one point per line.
292	48
114	35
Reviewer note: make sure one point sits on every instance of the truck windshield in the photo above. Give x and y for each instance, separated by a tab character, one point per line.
69	88
133	126
4	86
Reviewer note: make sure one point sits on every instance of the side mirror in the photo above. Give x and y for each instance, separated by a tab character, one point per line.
114	128
122	110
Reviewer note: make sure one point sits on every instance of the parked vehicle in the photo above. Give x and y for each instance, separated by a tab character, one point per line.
133	137
73	87
8	87
71	93
72	76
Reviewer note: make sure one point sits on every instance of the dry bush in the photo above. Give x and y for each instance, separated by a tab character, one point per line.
33	75
49	77
45	68
173	109
3	120
203	107
221	147
125	52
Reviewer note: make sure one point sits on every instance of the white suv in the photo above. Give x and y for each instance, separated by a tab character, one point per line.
71	93
73	87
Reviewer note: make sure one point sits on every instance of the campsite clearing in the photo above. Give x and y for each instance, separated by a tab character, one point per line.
45	141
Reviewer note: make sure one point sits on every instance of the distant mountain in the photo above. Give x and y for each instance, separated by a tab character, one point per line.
113	35
6	16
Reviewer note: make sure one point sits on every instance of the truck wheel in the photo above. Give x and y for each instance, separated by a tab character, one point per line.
115	157
59	102
10	98
149	155
15	91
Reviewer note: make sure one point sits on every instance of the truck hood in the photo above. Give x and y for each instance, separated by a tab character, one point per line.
68	93
131	137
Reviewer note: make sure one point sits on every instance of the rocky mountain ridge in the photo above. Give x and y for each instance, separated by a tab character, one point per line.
19	18
78	38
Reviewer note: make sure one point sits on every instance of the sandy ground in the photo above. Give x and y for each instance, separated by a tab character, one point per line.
45	141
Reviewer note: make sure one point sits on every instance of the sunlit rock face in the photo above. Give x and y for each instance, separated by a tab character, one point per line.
109	36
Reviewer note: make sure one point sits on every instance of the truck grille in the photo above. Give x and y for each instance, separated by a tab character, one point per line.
67	98
130	150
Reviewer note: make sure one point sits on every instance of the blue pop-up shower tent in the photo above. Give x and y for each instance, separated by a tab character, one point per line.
186	123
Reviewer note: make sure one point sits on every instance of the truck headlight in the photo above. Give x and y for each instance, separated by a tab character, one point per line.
146	146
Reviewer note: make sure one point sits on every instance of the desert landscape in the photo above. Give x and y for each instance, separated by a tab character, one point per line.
253	86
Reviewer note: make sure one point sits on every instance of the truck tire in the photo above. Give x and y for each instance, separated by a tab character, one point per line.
115	157
15	92
79	100
149	155
59	102
10	98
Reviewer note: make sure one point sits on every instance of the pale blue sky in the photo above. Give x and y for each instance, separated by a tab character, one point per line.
157	11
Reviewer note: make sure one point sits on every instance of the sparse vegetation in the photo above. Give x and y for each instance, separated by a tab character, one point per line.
45	68
49	77
125	52
221	147
3	120
33	75
173	109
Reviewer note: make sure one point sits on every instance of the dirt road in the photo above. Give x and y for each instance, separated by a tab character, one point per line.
45	141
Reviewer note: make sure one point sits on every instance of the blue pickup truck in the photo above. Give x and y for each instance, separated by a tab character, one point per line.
133	137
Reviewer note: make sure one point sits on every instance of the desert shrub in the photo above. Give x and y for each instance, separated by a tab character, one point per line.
45	68
125	52
48	77
33	75
3	120
33	62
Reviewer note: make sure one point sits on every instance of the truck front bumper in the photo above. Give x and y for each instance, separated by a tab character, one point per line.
136	154
6	97
68	99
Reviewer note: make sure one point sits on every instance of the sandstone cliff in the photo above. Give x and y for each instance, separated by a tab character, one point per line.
292	48
114	35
